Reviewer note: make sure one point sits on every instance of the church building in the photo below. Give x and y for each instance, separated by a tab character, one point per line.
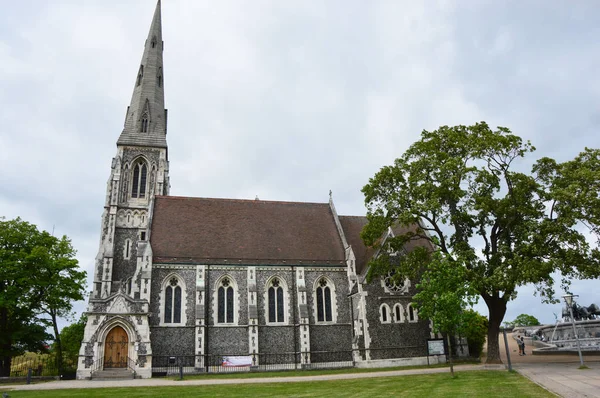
206	282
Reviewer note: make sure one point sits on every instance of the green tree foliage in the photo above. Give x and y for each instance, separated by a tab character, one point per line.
523	320
474	328
71	337
38	275
506	228
443	295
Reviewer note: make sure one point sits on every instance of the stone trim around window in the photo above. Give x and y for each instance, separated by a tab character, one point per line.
177	304
225	301
276	301
325	301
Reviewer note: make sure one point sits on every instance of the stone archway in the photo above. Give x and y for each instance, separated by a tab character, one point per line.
116	348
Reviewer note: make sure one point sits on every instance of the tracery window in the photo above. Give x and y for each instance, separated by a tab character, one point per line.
324	307
393	284
225	301
276	301
138	187
173	293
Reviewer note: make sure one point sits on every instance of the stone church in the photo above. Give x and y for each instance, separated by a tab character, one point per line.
207	282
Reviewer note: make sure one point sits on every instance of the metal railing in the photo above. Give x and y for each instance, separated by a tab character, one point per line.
219	363
131	364
40	365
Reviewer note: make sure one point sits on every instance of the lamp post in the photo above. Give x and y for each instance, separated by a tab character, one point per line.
569	300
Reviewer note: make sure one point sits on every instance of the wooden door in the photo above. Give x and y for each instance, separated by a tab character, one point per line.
115	348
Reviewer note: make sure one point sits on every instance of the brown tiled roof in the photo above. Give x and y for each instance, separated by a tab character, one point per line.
353	225
228	231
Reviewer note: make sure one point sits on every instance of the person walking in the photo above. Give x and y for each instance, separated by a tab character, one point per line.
523	345
520	344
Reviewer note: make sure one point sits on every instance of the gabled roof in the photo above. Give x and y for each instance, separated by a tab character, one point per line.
229	231
353	225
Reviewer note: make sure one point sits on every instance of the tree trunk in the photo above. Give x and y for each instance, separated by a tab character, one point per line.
497	309
450	355
5	347
57	344
5	362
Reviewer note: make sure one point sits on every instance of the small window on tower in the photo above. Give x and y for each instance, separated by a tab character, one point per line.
143	235
153	42
144	123
140	75
159	77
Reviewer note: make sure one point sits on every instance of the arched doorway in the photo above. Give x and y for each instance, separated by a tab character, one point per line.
116	348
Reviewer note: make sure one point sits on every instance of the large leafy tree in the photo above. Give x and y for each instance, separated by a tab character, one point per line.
63	284
506	228
38	275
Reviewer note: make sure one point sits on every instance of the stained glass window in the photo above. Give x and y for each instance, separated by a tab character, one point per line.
173	297
221	305
276	302
225	302
168	304
271	304
177	309
324	305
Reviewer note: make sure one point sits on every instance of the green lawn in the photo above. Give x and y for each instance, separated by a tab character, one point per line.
467	384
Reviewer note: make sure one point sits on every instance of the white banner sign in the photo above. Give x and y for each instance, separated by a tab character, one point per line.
237	361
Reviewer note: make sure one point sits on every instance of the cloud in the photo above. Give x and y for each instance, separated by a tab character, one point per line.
284	100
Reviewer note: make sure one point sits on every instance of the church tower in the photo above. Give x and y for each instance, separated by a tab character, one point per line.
117	334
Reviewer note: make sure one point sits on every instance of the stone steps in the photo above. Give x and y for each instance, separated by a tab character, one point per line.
113	374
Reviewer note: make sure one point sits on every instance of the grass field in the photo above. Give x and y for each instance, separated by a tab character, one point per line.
467	384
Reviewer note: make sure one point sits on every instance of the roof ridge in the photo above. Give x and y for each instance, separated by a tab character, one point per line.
174	197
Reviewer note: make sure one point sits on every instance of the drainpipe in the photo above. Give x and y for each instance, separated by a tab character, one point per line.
294	304
206	298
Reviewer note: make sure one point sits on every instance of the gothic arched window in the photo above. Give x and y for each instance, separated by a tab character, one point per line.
412	313
276	304
398	313
173	302
225	301
384	314
324	307
138	186
144	125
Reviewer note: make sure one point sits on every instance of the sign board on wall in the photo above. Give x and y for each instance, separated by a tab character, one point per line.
435	347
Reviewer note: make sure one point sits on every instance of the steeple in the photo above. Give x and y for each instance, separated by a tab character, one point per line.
146	119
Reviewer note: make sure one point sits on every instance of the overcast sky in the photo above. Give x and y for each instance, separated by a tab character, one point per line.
282	99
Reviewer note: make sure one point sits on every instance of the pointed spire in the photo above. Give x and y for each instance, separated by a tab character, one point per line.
146	119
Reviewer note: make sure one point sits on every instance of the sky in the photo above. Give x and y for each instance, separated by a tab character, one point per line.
284	100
